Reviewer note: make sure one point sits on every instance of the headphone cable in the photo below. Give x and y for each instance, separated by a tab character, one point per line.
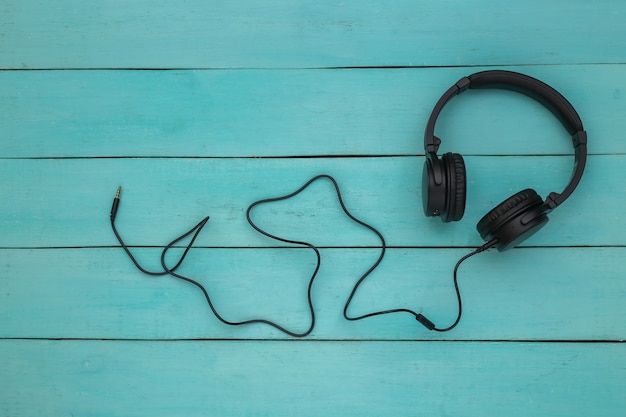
418	316
172	271
116	203
198	228
476	251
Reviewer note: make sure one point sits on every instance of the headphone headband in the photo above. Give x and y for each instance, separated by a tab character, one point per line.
533	88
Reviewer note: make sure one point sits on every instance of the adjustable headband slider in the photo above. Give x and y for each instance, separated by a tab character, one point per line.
434	147
579	138
463	84
552	201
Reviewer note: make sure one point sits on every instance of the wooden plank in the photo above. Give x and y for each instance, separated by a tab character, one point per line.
311	379
293	94
60	203
294	112
257	34
524	294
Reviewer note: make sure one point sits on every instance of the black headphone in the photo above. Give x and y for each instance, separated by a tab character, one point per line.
521	215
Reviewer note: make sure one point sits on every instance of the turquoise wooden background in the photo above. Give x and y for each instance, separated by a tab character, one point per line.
202	107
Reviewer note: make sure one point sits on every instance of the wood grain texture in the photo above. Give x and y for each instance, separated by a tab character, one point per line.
292	378
201	107
287	34
61	203
525	294
295	112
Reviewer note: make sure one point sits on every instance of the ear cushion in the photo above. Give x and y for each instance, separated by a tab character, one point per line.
513	220
490	219
434	187
456	186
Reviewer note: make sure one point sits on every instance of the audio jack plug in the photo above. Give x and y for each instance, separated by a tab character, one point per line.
116	203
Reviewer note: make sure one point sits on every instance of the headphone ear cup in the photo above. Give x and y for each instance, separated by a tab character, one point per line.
456	187
433	187
514	220
446	197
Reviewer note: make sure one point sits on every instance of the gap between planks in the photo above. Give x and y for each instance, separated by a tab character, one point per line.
322	340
